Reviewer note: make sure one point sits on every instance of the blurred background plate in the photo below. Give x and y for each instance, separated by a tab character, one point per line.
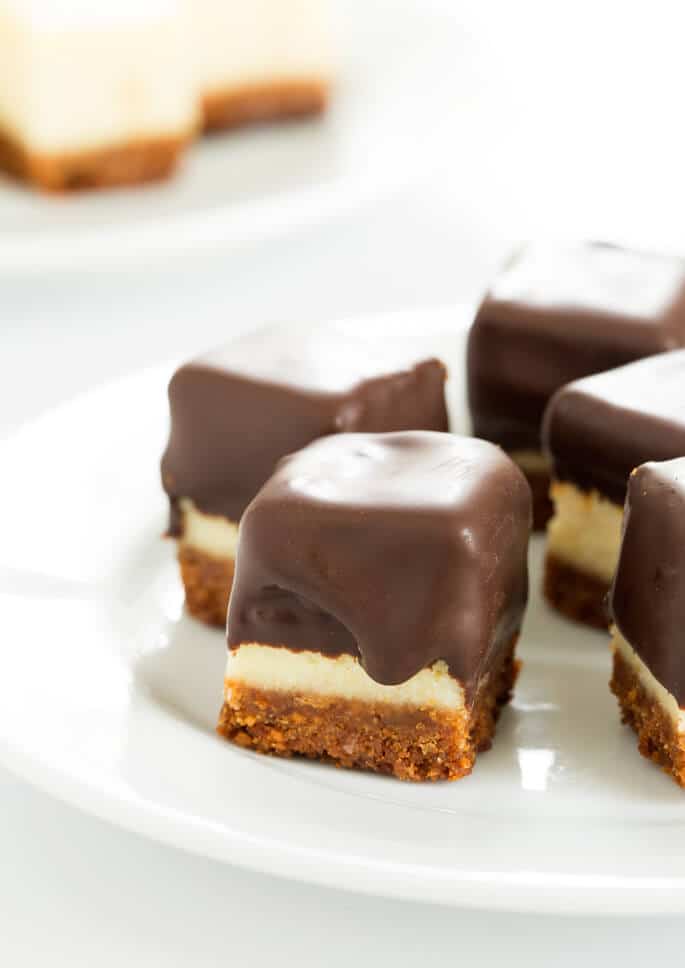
393	100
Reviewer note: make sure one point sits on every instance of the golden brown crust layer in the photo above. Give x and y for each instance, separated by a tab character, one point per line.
207	582
575	594
543	508
657	737
132	163
264	102
409	742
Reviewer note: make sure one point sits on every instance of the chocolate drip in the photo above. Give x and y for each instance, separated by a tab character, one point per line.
236	412
400	549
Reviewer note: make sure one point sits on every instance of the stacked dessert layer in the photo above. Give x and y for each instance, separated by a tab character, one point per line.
236	411
556	314
260	61
95	94
375	564
380	588
551	379
597	431
377	579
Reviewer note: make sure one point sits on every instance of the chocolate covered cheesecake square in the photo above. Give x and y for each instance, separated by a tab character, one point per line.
596	431
381	582
556	314
648	611
236	411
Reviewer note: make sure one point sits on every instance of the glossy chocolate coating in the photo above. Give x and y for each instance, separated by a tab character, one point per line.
597	430
238	410
400	549
648	595
559	314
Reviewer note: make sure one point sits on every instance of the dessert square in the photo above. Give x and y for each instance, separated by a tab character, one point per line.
236	411
380	587
648	611
261	61
596	431
93	95
556	314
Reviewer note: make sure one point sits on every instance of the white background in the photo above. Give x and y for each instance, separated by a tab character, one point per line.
572	129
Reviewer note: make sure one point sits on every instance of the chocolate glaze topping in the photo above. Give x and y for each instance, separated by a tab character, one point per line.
556	315
648	596
597	430
400	549
238	410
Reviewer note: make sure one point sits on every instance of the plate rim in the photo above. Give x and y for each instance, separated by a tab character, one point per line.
522	890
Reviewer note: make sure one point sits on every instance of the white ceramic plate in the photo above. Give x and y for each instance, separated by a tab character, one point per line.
394	96
109	695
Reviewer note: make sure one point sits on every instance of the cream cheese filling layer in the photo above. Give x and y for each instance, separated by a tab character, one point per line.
531	461
210	533
652	686
253	42
585	531
271	667
73	80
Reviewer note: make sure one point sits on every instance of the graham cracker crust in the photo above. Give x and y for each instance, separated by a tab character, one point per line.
543	507
575	594
408	742
270	101
207	582
657	737
132	163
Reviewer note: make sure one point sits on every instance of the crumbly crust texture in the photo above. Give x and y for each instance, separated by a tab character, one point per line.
207	582
575	594
132	163
408	742
270	101
657	736
543	508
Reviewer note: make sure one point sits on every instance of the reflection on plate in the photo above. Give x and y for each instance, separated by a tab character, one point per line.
109	694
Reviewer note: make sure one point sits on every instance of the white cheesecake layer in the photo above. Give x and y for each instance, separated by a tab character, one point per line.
651	685
210	533
272	668
585	531
531	461
249	42
76	77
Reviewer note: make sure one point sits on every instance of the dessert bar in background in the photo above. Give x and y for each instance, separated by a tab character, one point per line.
96	93
260	60
235	412
596	431
556	314
93	94
648	610
381	582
